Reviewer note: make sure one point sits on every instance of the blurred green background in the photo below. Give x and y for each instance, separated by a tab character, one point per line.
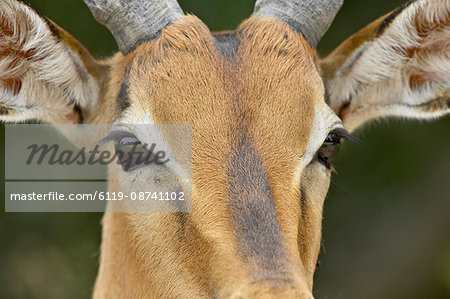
386	219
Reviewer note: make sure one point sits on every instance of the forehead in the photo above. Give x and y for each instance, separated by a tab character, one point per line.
261	79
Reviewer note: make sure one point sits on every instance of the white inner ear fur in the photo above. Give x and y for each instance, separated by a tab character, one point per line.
376	78
53	77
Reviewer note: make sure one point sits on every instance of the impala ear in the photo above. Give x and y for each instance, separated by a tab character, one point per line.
44	72
398	65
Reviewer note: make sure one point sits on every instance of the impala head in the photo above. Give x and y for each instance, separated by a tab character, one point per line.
267	116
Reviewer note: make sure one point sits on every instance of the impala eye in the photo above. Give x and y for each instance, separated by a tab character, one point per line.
130	152
333	139
328	150
330	147
127	140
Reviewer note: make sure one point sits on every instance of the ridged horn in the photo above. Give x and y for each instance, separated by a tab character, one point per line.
133	22
312	18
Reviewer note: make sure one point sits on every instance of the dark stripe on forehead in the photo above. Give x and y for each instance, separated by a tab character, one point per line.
389	19
227	43
253	212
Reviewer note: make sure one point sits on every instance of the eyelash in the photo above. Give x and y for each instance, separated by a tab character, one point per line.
331	145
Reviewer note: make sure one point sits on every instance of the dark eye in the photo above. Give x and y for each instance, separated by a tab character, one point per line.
130	152
127	140
329	149
332	138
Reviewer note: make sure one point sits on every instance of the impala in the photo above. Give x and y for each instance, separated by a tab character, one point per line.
267	117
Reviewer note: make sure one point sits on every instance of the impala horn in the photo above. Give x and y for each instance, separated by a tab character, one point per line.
312	18
133	22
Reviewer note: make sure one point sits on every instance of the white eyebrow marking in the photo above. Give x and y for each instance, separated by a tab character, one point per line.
325	120
146	131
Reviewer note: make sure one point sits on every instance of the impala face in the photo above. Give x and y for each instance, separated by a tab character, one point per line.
259	173
267	117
